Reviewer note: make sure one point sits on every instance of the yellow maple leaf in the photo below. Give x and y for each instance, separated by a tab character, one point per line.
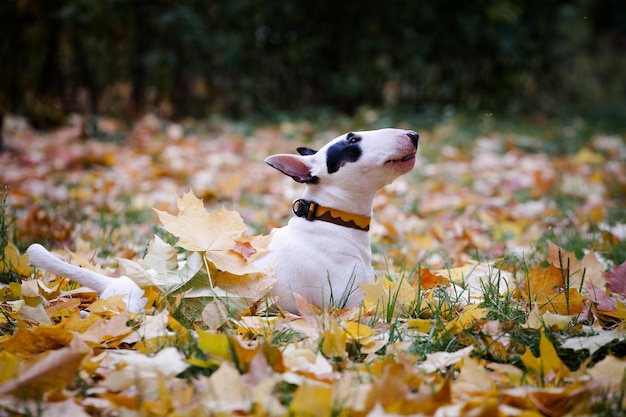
547	368
11	366
199	230
334	341
364	335
468	317
389	296
214	343
420	325
213	234
374	294
312	400
15	262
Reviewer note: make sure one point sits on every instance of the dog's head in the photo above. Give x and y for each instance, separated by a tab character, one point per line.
369	159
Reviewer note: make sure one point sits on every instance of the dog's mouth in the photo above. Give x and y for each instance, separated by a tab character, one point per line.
405	158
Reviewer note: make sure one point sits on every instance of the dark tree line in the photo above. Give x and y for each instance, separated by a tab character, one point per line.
190	57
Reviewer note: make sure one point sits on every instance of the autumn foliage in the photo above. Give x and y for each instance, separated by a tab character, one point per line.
478	309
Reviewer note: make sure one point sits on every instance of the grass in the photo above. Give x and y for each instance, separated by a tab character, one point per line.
4	232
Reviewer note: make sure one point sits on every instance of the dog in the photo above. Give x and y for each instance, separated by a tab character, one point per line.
105	286
324	252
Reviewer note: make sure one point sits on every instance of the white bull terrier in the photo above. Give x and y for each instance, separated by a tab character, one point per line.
324	252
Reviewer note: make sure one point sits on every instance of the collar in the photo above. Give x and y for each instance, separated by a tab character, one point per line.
310	210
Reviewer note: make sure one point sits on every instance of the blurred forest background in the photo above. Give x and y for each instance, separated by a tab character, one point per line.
182	58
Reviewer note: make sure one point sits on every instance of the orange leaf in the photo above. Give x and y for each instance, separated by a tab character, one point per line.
547	289
427	279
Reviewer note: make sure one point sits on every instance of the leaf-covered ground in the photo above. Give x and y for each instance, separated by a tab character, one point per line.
500	258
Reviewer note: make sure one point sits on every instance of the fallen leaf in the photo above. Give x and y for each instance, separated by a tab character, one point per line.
389	296
609	373
312	400
151	327
616	279
473	379
251	247
538	320
128	368
541	401
469	316
212	234
37	340
226	392
245	249
603	301
594	342
427	279
474	278
300	360
334	341
34	407
14	261
215	314
160	267
588	269
440	360
547	368
547	289
110	332
198	230
50	370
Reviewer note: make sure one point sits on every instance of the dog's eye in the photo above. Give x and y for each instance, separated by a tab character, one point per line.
353	138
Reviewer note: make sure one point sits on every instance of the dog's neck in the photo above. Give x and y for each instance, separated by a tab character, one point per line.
359	203
312	211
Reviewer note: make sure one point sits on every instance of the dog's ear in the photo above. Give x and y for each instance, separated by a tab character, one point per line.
293	165
303	150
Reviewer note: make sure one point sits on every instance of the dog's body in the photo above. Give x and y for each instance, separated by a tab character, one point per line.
325	260
324	252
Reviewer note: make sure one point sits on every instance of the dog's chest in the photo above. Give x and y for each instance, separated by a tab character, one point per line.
317	258
316	238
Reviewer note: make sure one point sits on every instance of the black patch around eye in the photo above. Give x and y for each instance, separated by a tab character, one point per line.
352	137
340	154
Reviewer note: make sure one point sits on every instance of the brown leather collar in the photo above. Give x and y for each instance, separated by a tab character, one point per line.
310	210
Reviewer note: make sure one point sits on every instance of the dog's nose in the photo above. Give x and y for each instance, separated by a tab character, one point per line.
413	136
